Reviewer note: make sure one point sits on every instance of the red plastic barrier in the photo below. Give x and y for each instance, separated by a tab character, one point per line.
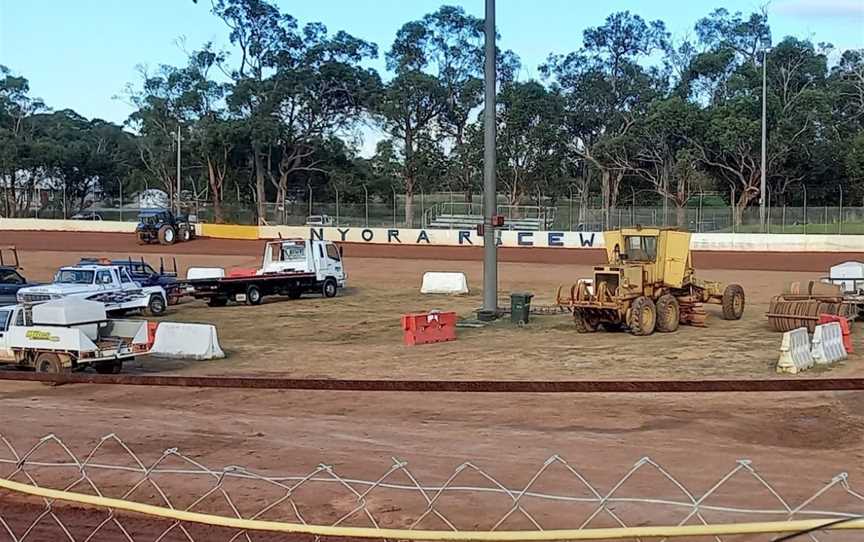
429	327
242	272
845	327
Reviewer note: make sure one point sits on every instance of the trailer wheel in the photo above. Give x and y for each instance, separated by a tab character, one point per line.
167	235
109	367
217	301
156	305
733	302
253	295
329	288
50	364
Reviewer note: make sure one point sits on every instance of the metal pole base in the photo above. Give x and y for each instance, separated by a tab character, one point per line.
485	315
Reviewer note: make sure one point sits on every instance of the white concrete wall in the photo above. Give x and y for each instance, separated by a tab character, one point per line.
739	242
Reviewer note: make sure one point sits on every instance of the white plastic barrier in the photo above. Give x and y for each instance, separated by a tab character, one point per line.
186	341
205	273
795	353
828	344
444	283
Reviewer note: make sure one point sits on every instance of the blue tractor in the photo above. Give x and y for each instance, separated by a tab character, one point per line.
163	227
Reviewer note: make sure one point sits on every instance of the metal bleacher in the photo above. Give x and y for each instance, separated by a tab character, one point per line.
454	216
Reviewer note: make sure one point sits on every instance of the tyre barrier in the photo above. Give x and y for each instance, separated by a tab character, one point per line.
795	355
828	344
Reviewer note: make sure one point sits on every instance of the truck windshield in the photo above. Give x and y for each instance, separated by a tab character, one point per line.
641	248
74	276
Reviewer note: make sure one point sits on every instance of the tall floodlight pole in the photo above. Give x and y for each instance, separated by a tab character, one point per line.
490	250
762	184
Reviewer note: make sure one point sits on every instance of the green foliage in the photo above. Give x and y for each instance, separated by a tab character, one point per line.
282	107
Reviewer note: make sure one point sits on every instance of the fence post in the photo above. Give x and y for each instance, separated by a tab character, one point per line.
337	206
840	225
121	201
804	187
732	206
422	207
310	198
570	212
366	200
394	206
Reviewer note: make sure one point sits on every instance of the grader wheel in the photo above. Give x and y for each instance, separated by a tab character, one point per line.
643	316
733	302
668	314
584	323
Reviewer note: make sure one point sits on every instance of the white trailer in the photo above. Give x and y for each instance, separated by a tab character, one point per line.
69	334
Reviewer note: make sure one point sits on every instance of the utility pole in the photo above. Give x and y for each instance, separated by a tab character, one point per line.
762	183
178	169
490	249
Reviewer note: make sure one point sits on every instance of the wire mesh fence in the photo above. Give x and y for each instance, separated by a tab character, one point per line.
703	213
556	494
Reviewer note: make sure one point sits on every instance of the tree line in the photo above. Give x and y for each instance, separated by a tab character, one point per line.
280	111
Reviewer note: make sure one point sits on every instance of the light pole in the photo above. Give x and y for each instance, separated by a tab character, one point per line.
490	250
764	137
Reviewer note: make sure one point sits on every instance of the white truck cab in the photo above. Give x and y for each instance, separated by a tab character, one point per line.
323	258
108	284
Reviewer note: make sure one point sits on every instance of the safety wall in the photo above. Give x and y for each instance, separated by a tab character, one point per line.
733	242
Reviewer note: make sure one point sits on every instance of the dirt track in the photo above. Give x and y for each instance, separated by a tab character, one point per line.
797	441
119	242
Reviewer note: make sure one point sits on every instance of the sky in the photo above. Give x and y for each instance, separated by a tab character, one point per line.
81	54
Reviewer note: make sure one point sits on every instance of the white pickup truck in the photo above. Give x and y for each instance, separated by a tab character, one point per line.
289	267
107	284
68	334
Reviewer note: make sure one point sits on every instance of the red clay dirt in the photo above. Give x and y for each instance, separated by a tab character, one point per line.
797	442
121	242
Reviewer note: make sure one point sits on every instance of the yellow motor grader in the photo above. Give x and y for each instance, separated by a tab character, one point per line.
647	285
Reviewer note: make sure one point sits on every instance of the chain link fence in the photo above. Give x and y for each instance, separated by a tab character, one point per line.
707	212
557	494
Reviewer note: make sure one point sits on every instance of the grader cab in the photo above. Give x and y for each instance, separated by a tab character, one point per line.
648	284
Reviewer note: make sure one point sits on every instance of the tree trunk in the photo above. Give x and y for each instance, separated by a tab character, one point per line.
680	216
260	195
409	209
215	192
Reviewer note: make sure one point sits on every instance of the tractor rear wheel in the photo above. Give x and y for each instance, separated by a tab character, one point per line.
584	323
167	235
643	316
668	314
733	302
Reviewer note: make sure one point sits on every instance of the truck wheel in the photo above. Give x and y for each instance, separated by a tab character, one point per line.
109	367
253	295
156	305
733	302
217	301
50	364
167	235
329	288
668	314
643	316
185	235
